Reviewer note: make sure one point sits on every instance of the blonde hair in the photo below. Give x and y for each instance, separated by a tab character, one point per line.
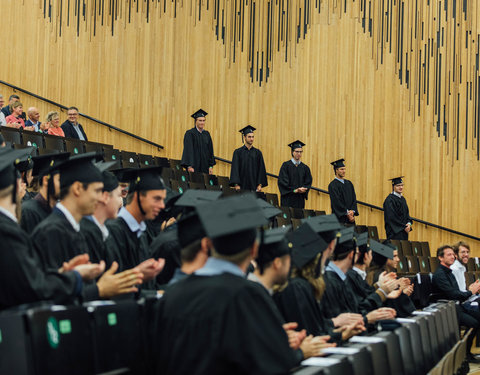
51	115
309	273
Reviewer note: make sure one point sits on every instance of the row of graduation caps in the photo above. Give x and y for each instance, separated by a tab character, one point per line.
90	339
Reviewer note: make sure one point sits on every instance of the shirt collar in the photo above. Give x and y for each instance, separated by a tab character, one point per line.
8	214
198	130
339	179
252	277
362	273
216	266
69	217
132	223
397	194
333	267
102	228
458	265
296	162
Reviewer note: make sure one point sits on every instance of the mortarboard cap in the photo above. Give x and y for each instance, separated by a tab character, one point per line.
296	144
327	226
269	211
247	130
274	244
43	164
306	245
232	222
381	249
79	168
362	241
124	175
25	163
189	229
397	180
8	160
346	243
338	163
110	182
193	198
144	179
199	113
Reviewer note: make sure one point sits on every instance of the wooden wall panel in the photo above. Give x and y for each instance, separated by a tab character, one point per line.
391	85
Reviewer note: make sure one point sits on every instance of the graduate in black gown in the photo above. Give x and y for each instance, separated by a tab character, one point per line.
93	226
25	167
215	321
198	146
342	195
294	179
37	209
248	168
127	243
339	297
398	222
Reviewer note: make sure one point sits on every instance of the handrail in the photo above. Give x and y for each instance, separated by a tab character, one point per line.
372	206
110	127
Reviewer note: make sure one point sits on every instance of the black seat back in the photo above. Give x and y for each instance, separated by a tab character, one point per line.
406	350
392	343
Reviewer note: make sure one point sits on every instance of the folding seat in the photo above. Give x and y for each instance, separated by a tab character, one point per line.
427	349
46	151
331	365
377	348
319	213
12	135
145	161
358	355
118	344
74	146
213	187
175	164
373	232
112	155
471	265
425	248
398	245
469	278
178	186
167	174
406	350
34	151
210	179
93	147
434	263
406	247
129	159
285	212
309	213
424	264
32	139
416	248
161	162
392	343
296	223
196	185
361	228
296	213
196	177
227	191
283	222
412	263
402	266
416	341
223	181
272	199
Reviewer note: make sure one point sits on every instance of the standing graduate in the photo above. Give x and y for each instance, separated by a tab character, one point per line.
37	209
248	168
398	222
294	179
215	321
342	195
198	146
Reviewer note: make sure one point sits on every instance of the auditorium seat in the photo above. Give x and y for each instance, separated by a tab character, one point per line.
318	213
285	212
412	263
223	181
196	185
46	151
361	228
181	175
308	213
395	361
471	265
210	179
434	263
175	164
167	174
283	222
402	266
161	162
359	357
406	248
469	278
406	350
74	146
417	347
425	248
272	199
427	347
227	191
32	139
34	152
11	135
296	223
213	187
416	248
145	161
397	244
197	177
296	213
129	159
179	186
112	155
373	232
423	264
93	147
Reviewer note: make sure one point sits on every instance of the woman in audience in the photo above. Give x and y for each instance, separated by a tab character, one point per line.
14	120
53	124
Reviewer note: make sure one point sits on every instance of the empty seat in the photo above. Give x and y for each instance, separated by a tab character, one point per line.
296	223
46	151
427	347
161	162
32	139
373	232
178	186
296	213
412	263
469	278
402	266
145	161
175	164
210	179
318	213
471	264
223	181
214	187
196	185
181	175
361	228
392	342
167	174
425	248
434	263
283	222
416	248
272	199
93	147
397	244
112	155
11	135
406	247
285	212
406	350
417	347
129	159
424	264
196	177
74	146
309	213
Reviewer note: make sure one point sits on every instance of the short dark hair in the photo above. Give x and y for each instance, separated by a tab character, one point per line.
131	193
342	256
66	189
14	96
441	250
75	108
456	247
189	252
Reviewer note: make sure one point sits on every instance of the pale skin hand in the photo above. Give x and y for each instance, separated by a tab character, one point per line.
474	287
259	187
351	330
294	338
237	187
390	285
312	346
111	284
383	313
72	263
90	271
190	169
150	268
167	223
346	319
210	170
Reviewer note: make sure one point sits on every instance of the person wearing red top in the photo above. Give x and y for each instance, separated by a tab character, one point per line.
53	124
14	120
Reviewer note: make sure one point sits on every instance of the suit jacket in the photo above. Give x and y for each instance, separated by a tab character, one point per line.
445	285
70	132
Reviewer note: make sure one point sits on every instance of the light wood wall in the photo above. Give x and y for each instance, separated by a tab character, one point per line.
331	83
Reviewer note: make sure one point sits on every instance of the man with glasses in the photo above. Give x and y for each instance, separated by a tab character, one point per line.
71	127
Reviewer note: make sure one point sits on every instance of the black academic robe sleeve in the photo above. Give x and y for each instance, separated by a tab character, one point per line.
235	178
339	208
395	218
93	236
367	297
32	215
285	184
262	172
21	277
188	156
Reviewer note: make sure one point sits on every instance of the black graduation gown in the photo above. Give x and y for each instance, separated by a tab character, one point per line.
166	246
28	196
56	241
366	295
395	212
34	211
21	277
248	169
297	303
221	324
198	150
94	239
342	198
291	177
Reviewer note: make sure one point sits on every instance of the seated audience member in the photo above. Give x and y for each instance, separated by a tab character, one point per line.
14	120
33	124
41	205
201	313
22	278
299	300
338	297
52	124
93	226
7	110
444	286
3	122
459	267
71	127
